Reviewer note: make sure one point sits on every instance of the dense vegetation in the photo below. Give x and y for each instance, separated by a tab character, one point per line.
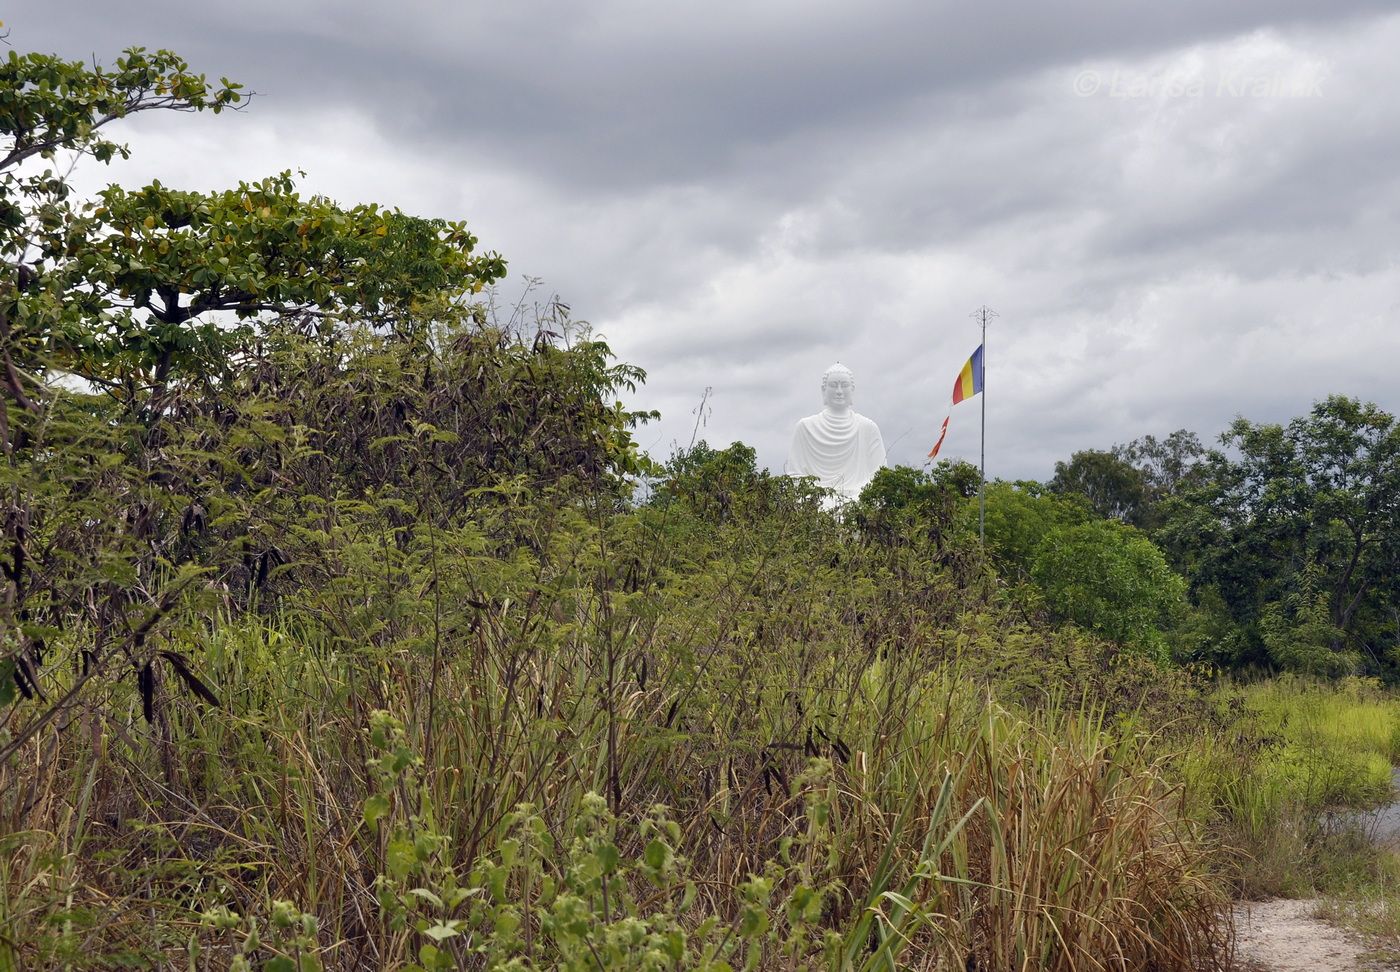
1288	535
335	636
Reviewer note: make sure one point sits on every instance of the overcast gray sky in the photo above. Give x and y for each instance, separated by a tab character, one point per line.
1182	212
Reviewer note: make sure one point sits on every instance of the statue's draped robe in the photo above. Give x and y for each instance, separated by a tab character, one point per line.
842	451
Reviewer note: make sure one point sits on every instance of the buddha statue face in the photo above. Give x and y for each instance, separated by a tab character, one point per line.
838	388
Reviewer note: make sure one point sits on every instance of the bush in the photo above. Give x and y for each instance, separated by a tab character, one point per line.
1111	579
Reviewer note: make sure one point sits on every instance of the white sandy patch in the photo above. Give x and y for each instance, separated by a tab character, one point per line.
1281	936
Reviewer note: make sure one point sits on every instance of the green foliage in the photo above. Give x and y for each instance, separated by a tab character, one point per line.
138	302
287	941
162	264
48	105
1020	517
1102	575
1114	488
1167	465
904	503
1111	579
1297	534
1130	482
1294	749
1299	634
1206	634
721	485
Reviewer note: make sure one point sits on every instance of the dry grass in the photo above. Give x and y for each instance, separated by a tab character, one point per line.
792	698
1055	844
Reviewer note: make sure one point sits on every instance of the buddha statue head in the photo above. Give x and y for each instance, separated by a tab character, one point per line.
838	389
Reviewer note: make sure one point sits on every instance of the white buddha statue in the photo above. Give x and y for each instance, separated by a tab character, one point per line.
839	446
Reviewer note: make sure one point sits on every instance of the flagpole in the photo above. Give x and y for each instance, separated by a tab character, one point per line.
982	483
983	313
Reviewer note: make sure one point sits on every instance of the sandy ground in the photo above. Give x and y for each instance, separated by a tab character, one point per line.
1283	936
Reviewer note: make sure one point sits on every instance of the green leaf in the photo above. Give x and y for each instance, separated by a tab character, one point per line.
752	922
428	896
400	857
375	807
657	855
442	931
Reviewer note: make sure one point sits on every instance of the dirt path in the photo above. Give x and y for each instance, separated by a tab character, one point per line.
1283	936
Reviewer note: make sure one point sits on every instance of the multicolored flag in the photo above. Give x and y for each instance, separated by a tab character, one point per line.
968	383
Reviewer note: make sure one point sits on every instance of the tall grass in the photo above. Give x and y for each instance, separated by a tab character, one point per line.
846	790
1057	843
1076	854
1338	740
1296	749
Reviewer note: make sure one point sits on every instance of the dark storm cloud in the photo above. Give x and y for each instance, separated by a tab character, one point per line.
616	94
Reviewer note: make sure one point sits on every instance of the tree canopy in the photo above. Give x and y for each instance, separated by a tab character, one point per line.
1297	527
188	375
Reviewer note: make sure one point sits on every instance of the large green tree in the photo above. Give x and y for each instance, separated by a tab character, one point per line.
151	418
139	290
1130	482
51	109
1168	465
1115	488
1297	527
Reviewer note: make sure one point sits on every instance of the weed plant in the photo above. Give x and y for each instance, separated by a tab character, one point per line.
554	737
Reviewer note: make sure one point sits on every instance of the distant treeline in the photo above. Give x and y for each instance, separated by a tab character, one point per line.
1285	540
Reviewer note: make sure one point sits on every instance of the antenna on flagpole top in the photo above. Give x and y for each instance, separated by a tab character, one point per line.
983	314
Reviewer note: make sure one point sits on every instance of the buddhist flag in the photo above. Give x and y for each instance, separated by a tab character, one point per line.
941	436
969	381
